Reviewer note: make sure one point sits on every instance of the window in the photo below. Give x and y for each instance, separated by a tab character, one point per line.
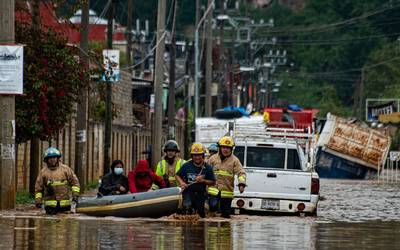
293	160
265	157
239	153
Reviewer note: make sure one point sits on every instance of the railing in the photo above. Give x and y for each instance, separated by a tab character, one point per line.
390	173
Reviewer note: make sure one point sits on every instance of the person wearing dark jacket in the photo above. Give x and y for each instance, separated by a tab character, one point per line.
114	182
194	177
141	178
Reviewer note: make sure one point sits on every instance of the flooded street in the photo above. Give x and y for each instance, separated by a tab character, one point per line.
351	215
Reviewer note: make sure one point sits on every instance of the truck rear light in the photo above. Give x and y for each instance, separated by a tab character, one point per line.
240	203
314	185
301	206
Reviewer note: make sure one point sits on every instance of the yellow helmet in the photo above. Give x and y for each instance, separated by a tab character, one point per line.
197	149
226	141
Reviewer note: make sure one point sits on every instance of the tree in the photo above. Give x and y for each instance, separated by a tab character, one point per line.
382	73
52	78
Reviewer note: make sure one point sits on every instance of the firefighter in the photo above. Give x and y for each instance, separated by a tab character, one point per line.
212	149
170	165
193	177
54	183
226	166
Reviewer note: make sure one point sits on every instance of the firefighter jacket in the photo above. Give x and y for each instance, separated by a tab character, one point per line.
225	171
54	185
168	172
111	183
141	178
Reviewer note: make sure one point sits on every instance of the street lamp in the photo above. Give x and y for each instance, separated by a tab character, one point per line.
196	61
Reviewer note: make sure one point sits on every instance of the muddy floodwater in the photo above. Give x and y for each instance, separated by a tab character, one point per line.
351	215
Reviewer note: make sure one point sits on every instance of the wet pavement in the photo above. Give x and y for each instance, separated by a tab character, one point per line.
351	215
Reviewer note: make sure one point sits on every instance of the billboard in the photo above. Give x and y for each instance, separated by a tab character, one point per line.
376	107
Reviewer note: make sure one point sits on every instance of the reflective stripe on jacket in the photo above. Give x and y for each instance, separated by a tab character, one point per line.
225	172
55	185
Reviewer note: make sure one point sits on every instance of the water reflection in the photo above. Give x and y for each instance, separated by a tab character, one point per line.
271	233
353	215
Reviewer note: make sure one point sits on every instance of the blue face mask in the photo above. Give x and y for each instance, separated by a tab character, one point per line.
118	171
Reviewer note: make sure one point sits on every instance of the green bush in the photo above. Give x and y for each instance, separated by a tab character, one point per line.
92	185
24	197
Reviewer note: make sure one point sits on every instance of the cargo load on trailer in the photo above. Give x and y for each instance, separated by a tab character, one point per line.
347	150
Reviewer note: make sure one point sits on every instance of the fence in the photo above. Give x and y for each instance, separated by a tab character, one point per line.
390	172
127	144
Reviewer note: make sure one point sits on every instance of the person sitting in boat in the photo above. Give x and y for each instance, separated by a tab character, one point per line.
170	165
141	178
114	182
194	177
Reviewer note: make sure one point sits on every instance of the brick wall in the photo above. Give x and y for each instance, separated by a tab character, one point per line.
122	100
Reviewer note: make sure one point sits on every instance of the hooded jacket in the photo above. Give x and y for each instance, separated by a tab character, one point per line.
141	178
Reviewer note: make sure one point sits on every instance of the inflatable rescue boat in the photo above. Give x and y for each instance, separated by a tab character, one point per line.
153	204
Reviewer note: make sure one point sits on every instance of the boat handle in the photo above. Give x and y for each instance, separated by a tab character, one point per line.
272	175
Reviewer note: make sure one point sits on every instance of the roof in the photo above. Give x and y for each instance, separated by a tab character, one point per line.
93	18
49	20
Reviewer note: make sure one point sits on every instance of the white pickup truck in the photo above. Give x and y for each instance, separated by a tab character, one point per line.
278	164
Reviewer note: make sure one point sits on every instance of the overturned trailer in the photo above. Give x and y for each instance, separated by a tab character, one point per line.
348	151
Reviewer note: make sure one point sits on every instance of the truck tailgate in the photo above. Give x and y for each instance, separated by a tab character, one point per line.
277	184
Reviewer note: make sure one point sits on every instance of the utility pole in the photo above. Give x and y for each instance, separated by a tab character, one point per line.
158	84
231	78
197	63
208	63
82	114
187	91
221	54
34	160
361	96
171	93
108	118
7	116
267	90
129	35
197	12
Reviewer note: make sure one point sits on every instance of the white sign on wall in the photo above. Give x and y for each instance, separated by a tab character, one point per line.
11	69
394	155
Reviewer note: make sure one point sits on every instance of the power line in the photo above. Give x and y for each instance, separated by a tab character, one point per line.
150	53
331	25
